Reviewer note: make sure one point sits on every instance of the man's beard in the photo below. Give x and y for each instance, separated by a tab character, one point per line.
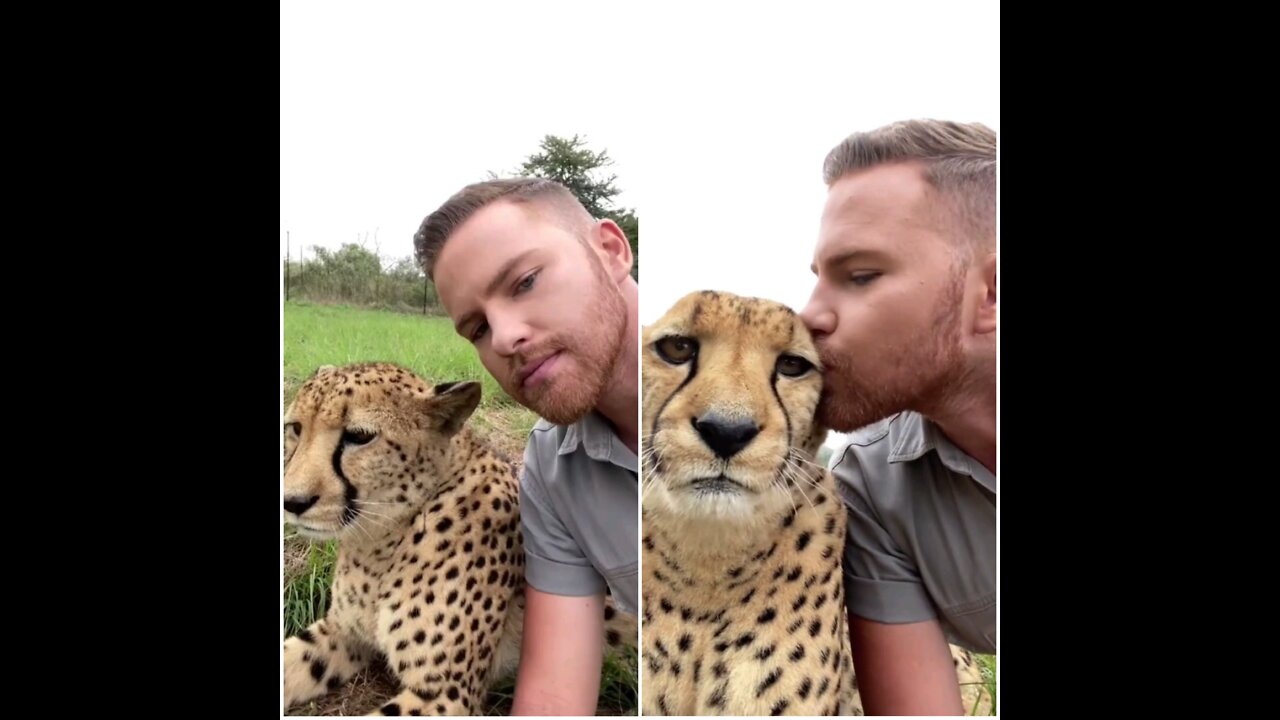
920	374
573	392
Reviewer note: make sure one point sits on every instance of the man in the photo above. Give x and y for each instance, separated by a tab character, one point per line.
904	316
544	293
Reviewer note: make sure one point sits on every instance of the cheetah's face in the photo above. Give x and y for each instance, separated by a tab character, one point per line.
364	445
731	385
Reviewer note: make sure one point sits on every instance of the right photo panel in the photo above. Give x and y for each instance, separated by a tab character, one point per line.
818	411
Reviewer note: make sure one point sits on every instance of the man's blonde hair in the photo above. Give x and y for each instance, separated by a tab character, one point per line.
959	161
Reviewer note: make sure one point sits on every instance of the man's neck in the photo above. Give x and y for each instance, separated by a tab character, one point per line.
619	403
969	422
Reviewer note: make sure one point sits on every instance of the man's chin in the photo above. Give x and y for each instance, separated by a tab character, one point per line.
562	401
843	412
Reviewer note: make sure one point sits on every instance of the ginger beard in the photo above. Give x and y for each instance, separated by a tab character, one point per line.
920	372
588	355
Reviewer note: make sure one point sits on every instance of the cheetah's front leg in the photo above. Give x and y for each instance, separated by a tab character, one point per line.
318	660
432	702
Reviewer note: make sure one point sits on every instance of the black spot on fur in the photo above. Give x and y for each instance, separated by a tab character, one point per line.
745	639
769	681
390	709
717	697
305	636
815	627
805	688
794	574
802	542
420	636
765	653
797	654
767	616
426	695
317	669
685	642
780	706
444	524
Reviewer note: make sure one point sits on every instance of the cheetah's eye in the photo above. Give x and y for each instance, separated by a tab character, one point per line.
294	427
677	350
357	437
793	365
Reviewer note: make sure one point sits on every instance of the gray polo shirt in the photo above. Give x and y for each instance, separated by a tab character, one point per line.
921	538
578	511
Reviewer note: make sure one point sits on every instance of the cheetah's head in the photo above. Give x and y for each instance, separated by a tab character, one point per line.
366	445
731	385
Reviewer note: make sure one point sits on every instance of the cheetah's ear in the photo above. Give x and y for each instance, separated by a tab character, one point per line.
452	404
325	369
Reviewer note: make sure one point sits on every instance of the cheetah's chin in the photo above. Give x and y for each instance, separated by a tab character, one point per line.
719	485
316	534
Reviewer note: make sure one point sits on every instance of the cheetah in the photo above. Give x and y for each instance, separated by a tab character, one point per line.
429	573
743	608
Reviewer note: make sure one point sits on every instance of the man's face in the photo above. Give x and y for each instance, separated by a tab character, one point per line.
538	306
886	313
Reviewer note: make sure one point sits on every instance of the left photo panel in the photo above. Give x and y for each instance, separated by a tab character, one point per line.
460	299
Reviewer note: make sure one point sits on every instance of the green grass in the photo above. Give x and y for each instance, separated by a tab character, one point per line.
309	575
987	664
316	335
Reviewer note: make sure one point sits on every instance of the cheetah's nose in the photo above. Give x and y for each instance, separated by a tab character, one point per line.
297	505
726	437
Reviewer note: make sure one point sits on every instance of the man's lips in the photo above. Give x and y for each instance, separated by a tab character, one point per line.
531	367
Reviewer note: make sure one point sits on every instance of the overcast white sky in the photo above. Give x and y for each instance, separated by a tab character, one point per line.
389	108
718	117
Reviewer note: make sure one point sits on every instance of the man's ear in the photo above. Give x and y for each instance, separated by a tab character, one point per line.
985	318
452	405
613	248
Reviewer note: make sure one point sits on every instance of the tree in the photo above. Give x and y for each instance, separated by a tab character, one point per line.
571	163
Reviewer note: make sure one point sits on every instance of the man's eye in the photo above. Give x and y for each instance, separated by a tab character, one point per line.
478	332
863	278
526	283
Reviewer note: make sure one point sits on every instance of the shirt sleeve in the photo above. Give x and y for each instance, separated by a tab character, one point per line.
882	581
553	561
